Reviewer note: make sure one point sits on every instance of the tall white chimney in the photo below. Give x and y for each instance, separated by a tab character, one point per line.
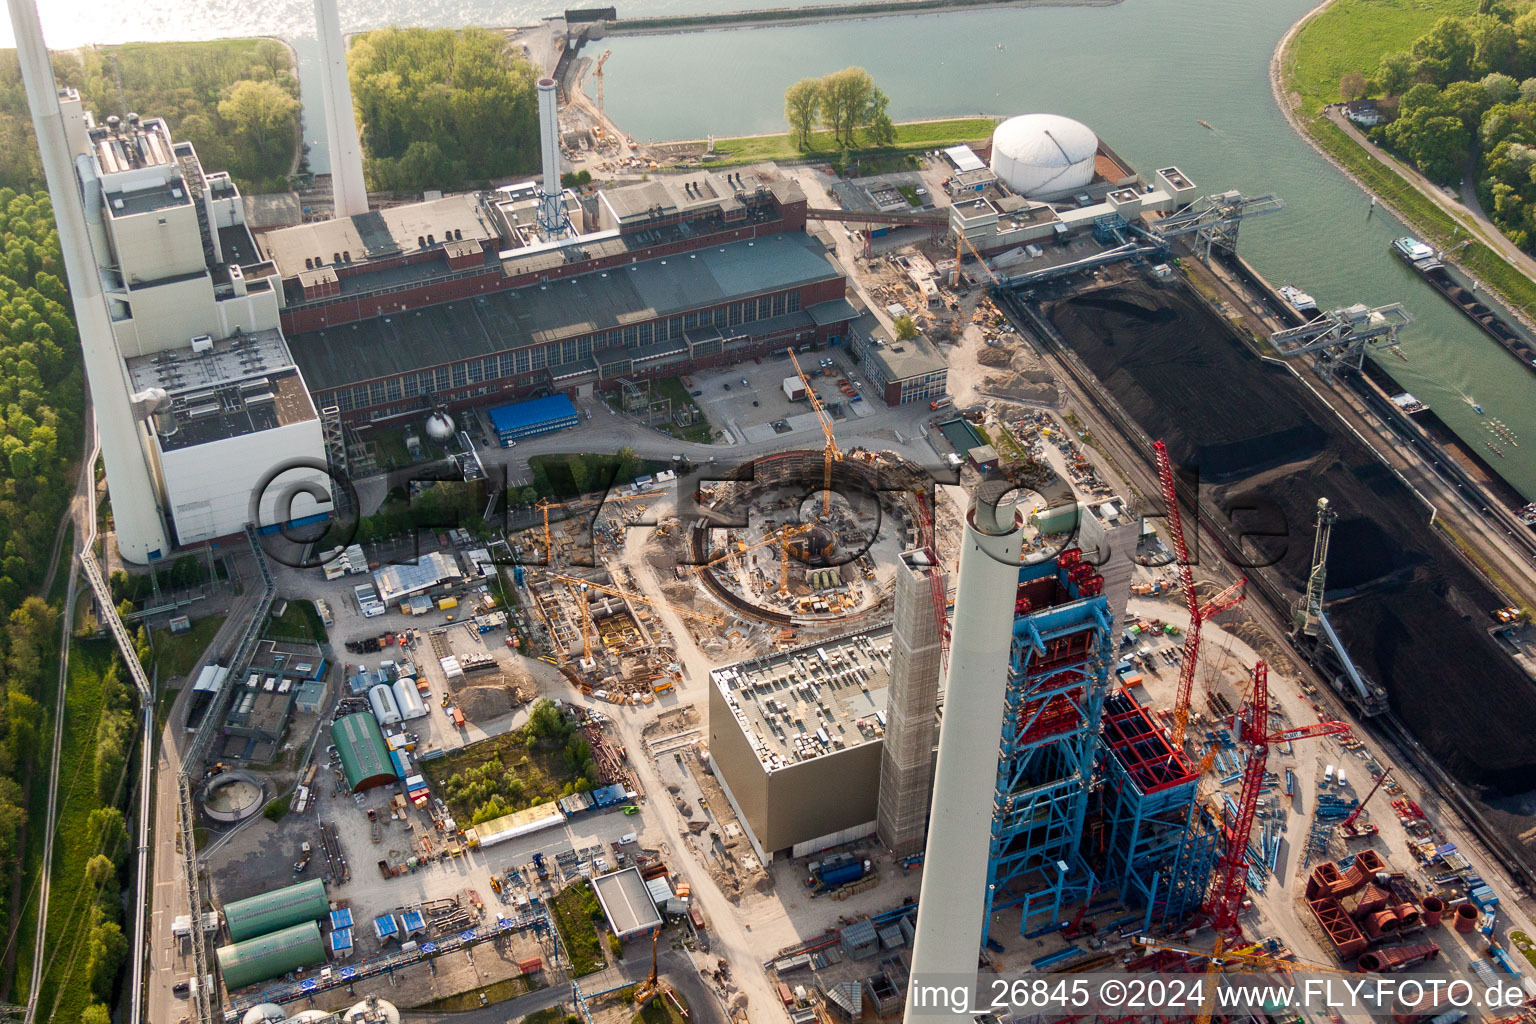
552	216
141	533
952	903
348	191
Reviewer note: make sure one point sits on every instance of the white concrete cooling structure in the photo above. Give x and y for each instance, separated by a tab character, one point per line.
953	903
552	217
348	190
138	523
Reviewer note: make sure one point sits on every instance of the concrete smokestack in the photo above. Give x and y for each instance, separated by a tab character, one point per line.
551	209
141	532
952	904
348	191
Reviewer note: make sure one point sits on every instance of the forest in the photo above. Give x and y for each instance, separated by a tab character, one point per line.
235	100
1463	97
440	108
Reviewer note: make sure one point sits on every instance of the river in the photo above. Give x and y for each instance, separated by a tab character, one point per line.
1141	74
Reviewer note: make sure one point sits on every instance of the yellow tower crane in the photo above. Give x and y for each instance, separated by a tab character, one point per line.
598	73
544	505
780	536
579	586
963	242
833	453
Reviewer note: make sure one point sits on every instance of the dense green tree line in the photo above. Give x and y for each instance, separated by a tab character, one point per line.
442	108
844	103
1464	95
41	395
235	100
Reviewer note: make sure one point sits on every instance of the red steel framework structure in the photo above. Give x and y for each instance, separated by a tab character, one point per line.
1228	598
1225	901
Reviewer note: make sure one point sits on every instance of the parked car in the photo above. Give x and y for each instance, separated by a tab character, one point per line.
181	989
727	385
744	382
695	394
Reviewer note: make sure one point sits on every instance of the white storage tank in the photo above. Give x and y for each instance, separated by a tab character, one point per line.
1043	154
384	707
408	700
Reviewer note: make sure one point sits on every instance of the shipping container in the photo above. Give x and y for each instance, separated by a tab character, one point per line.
458	718
447	603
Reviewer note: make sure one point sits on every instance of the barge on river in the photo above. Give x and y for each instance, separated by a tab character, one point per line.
1426	262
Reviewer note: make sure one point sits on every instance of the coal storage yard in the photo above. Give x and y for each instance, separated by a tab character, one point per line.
1411	613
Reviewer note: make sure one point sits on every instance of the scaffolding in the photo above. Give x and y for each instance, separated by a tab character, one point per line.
1058	677
1160	848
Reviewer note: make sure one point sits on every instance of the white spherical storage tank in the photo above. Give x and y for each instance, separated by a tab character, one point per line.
384	707
1043	154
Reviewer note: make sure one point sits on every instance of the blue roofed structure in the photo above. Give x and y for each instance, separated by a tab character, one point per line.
341	918
535	416
386	928
413	923
341	942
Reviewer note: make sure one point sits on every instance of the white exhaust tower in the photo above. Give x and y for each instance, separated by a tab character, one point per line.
141	533
552	216
952	904
348	191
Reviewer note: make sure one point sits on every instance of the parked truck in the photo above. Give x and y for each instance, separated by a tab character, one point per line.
539	866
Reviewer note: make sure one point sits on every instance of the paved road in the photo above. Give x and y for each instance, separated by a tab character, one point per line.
167	898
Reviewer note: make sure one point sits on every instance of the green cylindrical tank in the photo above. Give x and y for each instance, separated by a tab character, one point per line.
270	956
280	908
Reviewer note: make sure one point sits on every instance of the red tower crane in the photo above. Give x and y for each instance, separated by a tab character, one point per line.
1225	901
1228	598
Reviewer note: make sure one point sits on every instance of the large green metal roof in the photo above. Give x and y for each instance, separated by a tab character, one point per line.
360	744
271	956
279	908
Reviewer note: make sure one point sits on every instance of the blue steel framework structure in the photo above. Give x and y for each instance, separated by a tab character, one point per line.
1160	848
1057	680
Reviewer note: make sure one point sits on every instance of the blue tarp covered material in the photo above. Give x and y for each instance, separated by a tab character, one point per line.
385	927
341	940
535	416
341	918
413	922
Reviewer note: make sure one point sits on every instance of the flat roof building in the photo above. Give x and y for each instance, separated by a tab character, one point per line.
270	911
627	902
397	582
535	416
902	372
364	757
655	317
795	740
270	956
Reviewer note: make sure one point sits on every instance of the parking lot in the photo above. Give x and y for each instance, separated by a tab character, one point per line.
749	411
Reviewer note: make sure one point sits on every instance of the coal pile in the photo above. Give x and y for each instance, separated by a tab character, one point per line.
1265	448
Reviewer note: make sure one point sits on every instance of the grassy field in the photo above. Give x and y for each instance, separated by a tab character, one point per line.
548	1015
175	655
1352	35
659	1010
577	914
910	136
494	993
299	620
66	990
520	773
